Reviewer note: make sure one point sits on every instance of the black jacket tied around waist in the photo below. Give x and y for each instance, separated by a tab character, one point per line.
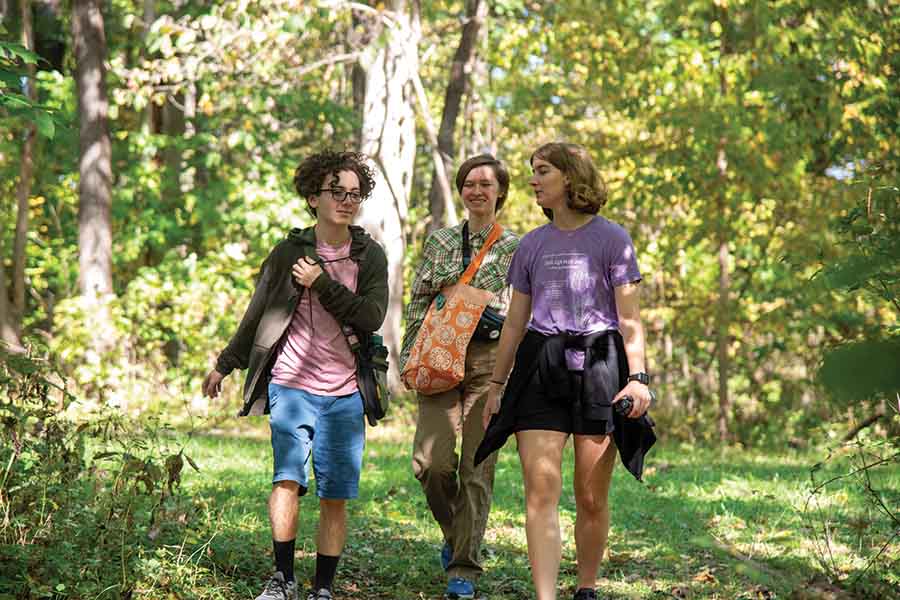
541	370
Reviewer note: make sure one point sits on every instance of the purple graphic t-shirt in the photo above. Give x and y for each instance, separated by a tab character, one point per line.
571	277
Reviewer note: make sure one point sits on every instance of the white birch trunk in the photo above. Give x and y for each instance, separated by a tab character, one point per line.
388	138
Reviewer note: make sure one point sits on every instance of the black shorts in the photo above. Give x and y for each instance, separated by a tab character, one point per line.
536	411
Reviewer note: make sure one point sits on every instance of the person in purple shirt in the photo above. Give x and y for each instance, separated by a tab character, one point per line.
574	329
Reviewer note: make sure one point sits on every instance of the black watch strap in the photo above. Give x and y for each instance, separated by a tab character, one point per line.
640	377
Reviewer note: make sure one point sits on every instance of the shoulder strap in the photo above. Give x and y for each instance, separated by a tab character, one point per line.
467	249
470	271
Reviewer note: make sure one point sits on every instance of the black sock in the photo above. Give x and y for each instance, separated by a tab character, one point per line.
326	567
284	558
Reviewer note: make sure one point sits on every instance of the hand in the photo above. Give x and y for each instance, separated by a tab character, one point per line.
492	404
212	384
640	395
306	271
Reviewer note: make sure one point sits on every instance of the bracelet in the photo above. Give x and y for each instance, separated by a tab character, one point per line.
498	382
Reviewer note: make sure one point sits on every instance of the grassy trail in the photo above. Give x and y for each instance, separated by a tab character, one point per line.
706	524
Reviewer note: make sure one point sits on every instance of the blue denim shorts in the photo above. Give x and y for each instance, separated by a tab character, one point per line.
329	431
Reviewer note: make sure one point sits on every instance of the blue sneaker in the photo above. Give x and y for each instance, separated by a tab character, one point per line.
446	555
459	589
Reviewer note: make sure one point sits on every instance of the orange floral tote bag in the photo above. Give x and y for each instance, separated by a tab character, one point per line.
437	360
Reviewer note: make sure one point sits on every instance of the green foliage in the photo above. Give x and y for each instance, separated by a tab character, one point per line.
82	503
212	105
862	469
864	364
862	370
13	103
660	94
166	330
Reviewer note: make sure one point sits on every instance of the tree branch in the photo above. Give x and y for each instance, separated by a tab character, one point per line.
337	58
852	473
866	423
440	171
388	17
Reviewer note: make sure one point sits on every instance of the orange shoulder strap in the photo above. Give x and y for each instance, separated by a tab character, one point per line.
469	273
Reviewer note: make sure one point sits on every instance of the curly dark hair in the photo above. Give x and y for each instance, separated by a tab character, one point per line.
312	172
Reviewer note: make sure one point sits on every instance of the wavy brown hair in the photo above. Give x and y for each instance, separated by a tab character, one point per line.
312	172
586	191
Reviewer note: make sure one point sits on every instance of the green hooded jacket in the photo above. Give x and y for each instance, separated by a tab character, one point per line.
266	320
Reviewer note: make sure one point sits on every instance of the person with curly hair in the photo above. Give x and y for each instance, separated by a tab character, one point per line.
320	291
575	332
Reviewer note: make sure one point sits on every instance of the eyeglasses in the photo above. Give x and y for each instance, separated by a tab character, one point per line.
339	195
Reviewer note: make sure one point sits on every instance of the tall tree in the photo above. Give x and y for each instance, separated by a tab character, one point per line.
383	92
147	19
722	313
26	168
95	187
9	338
458	84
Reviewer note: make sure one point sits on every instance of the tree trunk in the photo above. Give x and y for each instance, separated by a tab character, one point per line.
26	170
149	16
9	338
384	94
459	83
722	320
173	127
722	316
689	403
95	187
439	178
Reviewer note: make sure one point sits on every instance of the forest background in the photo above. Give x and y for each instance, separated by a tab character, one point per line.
750	147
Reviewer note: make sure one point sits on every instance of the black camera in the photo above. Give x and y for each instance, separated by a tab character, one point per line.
624	406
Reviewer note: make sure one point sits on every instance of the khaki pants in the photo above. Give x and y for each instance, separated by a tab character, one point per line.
458	493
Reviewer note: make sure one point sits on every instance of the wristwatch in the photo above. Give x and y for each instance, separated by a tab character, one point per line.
640	377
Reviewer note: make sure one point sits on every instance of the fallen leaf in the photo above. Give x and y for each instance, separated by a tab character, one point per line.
705	576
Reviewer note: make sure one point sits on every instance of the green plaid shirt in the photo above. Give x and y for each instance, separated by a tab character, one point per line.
442	265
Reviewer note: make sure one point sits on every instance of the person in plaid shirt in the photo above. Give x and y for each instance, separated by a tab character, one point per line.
458	493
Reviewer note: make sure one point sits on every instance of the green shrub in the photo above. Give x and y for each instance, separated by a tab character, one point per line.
860	372
81	502
164	334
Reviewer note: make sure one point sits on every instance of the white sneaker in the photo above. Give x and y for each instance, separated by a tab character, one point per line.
279	589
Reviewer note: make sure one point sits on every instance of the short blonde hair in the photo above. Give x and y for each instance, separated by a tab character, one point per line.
586	192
